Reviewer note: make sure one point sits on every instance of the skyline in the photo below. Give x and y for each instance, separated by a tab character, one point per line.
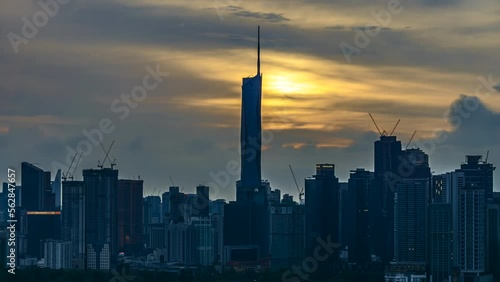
198	122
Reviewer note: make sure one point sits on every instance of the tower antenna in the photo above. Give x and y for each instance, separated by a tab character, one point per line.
258	50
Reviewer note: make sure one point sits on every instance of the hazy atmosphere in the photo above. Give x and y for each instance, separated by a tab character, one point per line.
322	75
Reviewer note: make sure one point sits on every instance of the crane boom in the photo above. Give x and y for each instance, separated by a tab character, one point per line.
395	127
378	129
301	192
65	175
411	139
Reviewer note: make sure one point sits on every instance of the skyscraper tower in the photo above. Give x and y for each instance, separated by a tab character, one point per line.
247	220
251	129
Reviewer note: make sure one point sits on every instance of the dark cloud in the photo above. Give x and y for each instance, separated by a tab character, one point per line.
270	17
497	87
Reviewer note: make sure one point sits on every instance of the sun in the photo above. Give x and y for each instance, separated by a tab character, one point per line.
285	85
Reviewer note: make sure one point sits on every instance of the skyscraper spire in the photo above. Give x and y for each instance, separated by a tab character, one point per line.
258	50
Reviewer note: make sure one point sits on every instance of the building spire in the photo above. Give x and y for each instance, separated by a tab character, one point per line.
258	50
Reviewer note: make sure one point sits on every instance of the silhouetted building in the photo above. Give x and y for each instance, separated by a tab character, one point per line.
37	190
411	208
165	206
322	211
152	206
156	235
177	205
56	189
130	216
287	234
359	240
492	236
251	132
101	220
73	220
386	175
201	205
203	243
38	226
471	202
179	238
441	242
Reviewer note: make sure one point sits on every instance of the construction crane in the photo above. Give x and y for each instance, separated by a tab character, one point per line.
411	139
378	129
172	181
395	127
487	156
76	165
65	174
111	163
383	132
301	191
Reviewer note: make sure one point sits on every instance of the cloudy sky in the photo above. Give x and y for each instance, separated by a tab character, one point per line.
326	64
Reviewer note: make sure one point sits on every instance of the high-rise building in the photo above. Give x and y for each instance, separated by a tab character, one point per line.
492	235
203	241
37	190
251	132
152	206
165	206
411	208
73	220
322	211
471	204
179	238
251	191
130	217
56	189
287	234
359	240
201	206
440	242
386	175
57	254
38	226
101	217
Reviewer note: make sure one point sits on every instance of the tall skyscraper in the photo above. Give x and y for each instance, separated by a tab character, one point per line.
130	217
471	204
73	220
251	133
359	240
322	211
411	208
251	191
101	217
386	174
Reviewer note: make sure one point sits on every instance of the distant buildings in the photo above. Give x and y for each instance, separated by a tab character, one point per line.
57	254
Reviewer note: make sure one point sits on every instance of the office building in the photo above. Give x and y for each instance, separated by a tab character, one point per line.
37	190
359	240
130	216
101	220
73	220
287	234
322	212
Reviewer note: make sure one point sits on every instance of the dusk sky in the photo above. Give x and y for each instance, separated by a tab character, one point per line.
429	57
